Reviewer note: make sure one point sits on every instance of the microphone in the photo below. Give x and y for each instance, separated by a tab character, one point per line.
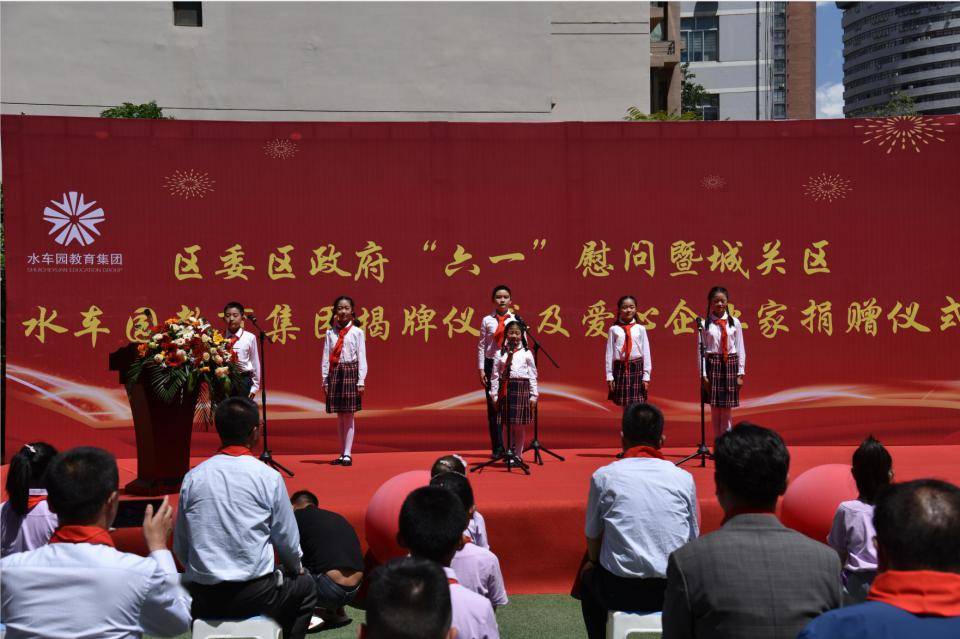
700	323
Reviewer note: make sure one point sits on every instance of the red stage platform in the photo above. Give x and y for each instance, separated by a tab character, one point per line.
536	523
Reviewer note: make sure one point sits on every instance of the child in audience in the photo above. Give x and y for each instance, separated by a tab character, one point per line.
431	521
26	521
477	568
477	527
852	534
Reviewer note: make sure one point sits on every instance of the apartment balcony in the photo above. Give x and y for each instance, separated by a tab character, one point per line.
664	53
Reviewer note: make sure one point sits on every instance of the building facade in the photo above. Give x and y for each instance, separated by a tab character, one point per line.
908	47
757	60
395	61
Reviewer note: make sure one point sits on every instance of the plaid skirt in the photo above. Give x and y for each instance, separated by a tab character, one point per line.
724	392
342	395
515	407
628	383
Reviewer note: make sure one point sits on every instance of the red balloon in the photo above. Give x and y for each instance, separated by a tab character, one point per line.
383	513
812	499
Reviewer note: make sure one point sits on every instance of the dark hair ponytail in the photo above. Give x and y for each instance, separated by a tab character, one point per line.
27	470
714	291
353	309
871	468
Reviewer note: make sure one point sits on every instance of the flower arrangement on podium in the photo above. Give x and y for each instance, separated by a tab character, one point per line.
181	355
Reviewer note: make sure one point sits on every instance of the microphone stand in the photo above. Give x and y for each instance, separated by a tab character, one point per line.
508	456
702	451
535	445
265	456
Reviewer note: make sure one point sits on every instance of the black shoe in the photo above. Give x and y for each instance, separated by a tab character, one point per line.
620	455
338	461
497	452
346	460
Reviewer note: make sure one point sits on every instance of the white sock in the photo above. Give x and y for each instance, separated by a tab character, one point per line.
346	438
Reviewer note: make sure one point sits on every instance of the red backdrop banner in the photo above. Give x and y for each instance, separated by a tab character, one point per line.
832	237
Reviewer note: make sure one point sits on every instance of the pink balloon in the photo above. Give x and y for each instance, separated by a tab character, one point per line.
812	499
383	512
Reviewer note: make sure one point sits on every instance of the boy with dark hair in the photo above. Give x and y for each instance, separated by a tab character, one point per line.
477	527
408	599
639	510
753	577
852	533
233	513
477	568
432	520
108	593
331	555
244	344
916	593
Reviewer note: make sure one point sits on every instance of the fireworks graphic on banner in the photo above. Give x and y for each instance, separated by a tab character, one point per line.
713	182
827	188
280	149
74	219
189	183
902	131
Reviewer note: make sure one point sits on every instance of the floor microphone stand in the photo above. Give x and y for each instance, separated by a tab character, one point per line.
508	456
265	456
702	451
535	445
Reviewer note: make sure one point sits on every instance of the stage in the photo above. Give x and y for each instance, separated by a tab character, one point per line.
536	523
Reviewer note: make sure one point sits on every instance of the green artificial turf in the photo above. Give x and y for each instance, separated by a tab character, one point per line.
525	617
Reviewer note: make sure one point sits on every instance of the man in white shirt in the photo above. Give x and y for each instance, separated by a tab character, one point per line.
639	510
245	346
80	586
234	511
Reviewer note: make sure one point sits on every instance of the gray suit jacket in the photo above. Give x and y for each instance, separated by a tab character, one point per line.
752	579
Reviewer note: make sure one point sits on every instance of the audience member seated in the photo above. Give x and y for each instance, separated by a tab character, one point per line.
477	528
25	519
232	508
753	578
639	510
431	526
477	568
852	532
916	594
331	555
80	586
408	599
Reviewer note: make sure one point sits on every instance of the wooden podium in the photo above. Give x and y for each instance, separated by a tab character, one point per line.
163	432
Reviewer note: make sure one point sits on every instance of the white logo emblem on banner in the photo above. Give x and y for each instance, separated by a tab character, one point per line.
74	220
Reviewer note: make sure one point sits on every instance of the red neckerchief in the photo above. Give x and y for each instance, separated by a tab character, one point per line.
745	511
34	500
627	341
451	581
235	450
919	592
722	323
642	451
233	339
505	378
467	539
338	348
498	334
82	535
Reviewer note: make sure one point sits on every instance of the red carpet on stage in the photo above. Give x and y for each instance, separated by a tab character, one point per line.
536	523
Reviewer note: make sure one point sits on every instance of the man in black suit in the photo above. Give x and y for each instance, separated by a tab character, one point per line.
753	578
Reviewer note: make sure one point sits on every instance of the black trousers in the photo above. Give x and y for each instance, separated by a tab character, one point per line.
602	591
242	389
290	604
496	434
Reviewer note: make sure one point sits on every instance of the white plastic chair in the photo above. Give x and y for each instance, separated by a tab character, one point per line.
252	628
634	625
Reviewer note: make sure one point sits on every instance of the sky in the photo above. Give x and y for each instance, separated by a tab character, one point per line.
829	61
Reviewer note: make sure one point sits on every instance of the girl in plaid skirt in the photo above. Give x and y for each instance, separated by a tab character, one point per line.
344	372
726	359
513	385
627	358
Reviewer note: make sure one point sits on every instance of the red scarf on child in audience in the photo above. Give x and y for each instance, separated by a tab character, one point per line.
34	500
235	450
338	348
919	592
82	535
642	451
